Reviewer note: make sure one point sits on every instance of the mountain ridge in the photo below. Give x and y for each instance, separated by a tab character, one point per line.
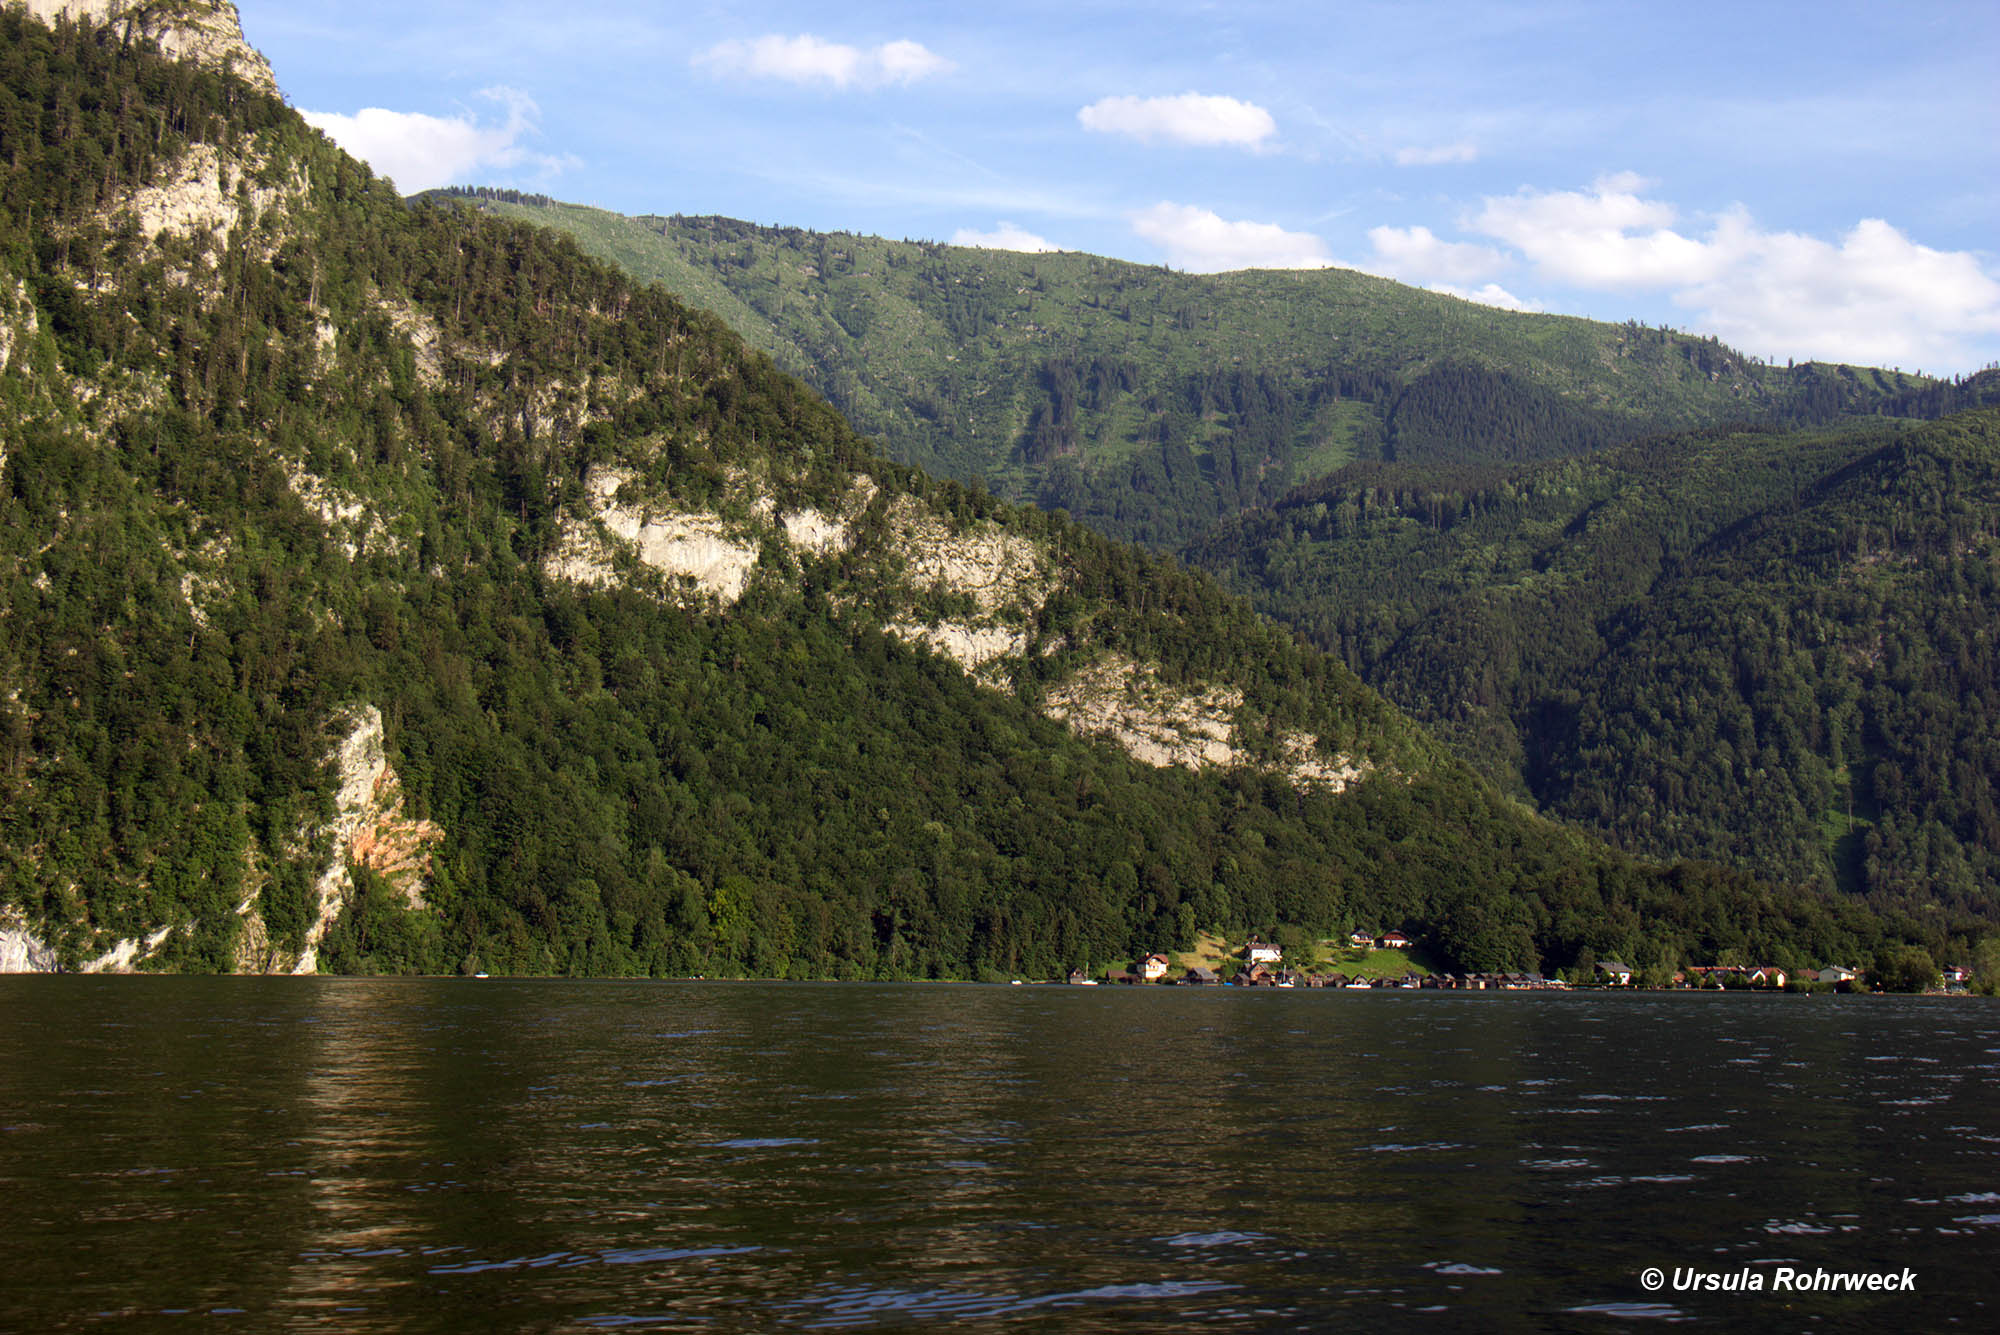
669	664
1151	403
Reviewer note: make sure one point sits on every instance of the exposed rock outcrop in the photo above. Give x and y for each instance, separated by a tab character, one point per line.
21	951
198	196
209	32
697	547
19	324
254	951
1158	724
18	321
971	647
1304	765
126	956
1164	725
997	569
814	533
348	521
370	830
999	579
968	593
424	336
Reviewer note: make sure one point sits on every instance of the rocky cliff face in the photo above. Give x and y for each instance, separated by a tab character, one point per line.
369	830
21	951
1162	725
968	592
18	326
207	31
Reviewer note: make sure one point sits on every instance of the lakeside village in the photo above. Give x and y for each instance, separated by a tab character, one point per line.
1385	962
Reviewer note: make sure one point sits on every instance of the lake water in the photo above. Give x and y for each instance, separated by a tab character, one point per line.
532	1155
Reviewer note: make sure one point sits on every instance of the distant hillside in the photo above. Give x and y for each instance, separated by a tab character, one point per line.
1150	403
384	588
1775	649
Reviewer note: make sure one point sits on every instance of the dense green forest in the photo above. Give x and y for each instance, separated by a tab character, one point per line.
1149	403
1773	649
1458	550
279	447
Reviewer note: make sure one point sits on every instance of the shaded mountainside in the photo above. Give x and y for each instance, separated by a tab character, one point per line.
1778	650
390	588
1150	403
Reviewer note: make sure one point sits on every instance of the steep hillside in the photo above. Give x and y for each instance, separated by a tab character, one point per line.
1150	403
1778	650
207	32
383	587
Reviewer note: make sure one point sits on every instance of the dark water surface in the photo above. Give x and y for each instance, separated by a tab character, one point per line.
555	1155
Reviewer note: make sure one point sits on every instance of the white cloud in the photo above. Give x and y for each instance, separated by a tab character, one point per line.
1200	241
1190	118
1436	155
420	152
1874	296
1488	294
1006	236
1415	255
907	62
806	59
1609	238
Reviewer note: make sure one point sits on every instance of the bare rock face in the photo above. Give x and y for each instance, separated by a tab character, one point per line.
18	322
1156	724
698	548
207	31
1000	579
369	830
1163	725
20	950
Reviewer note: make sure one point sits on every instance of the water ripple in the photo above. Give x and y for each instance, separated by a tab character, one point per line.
869	1304
572	1260
763	1142
1633	1311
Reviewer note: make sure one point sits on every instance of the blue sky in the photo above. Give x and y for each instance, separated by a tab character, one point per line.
1801	180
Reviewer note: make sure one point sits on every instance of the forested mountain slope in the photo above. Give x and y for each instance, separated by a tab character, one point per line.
1775	649
386	587
1150	403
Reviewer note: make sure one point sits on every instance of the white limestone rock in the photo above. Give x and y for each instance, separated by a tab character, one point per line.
368	829
1163	725
209	32
21	951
